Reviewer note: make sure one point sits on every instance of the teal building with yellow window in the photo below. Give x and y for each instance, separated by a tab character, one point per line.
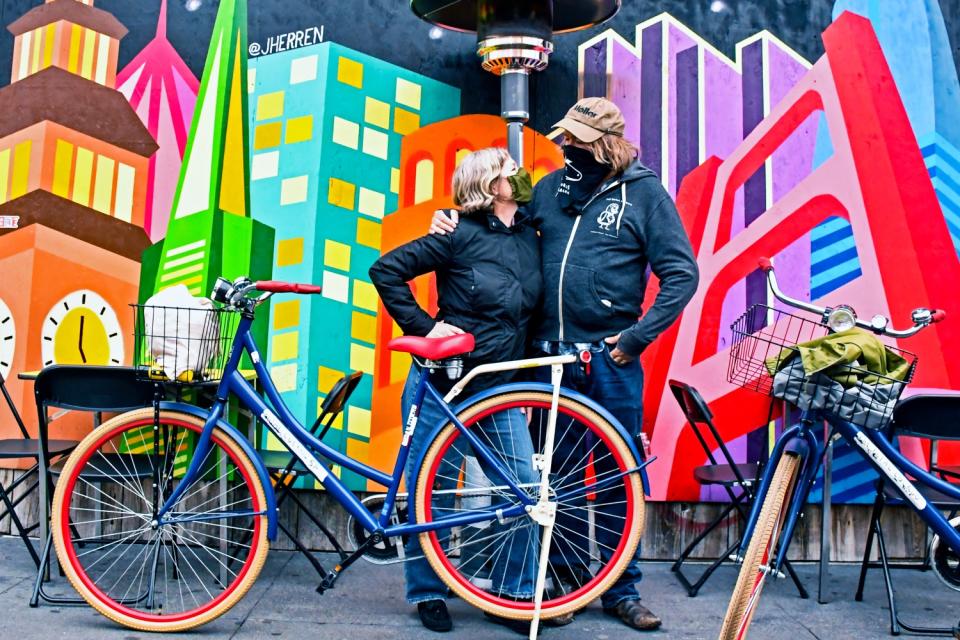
326	126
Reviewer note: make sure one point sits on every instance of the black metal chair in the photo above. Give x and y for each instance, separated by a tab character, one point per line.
737	479
25	447
284	467
930	416
80	388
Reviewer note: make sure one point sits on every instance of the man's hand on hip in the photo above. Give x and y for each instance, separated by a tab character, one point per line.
442	223
618	356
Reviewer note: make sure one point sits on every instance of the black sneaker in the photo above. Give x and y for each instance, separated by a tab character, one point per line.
521	627
434	615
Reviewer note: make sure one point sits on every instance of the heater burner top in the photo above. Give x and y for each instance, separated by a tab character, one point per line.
568	15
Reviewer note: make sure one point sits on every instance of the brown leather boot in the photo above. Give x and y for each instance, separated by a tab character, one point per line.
633	614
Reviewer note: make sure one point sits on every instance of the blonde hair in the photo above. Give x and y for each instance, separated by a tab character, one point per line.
474	178
614	150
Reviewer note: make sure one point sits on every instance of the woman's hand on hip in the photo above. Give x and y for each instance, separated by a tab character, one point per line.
442	223
444	330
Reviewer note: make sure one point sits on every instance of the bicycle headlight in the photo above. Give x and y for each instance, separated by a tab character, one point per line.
841	318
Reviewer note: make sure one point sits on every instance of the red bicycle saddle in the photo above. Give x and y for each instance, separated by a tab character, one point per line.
433	348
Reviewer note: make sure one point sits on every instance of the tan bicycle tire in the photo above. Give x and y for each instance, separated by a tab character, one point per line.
739	614
237	593
636	520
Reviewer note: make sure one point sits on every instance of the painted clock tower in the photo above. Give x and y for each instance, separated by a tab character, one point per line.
73	189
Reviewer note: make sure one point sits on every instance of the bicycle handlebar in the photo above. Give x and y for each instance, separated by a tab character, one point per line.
274	286
921	317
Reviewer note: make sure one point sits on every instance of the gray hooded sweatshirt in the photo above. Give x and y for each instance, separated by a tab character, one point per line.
595	264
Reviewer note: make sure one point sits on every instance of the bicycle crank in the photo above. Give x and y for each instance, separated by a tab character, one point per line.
945	561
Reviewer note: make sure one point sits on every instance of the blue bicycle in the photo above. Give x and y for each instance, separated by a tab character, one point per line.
856	398
162	516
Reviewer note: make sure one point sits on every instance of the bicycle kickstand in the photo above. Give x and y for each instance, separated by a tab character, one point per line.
330	579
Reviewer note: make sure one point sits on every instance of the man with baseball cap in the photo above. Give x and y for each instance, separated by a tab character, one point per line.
603	219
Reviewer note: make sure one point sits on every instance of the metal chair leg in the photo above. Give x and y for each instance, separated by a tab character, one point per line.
866	564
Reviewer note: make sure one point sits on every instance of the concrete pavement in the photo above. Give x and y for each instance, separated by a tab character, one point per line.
368	603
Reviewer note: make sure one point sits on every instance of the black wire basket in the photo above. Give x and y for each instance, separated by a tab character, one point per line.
182	345
766	357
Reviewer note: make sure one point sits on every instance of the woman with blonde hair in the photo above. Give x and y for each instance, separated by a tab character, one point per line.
488	284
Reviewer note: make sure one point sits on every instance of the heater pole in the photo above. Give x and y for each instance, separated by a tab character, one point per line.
515	108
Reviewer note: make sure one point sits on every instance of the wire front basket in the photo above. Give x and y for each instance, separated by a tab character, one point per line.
182	345
766	357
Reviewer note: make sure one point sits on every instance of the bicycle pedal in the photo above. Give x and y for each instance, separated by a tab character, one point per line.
328	581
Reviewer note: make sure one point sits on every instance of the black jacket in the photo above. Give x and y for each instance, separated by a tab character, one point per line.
595	263
488	284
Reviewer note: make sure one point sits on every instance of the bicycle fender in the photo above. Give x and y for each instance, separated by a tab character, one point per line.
248	449
543	387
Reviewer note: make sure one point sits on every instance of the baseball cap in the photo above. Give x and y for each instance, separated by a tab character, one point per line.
590	118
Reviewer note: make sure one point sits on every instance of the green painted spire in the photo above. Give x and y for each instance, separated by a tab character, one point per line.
211	232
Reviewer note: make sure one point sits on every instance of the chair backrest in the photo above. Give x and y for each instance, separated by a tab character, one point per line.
934	416
90	388
340	393
698	415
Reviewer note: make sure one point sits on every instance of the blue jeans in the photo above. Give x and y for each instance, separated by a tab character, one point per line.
512	573
619	389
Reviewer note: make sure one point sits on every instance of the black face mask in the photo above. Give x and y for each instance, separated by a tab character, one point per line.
581	177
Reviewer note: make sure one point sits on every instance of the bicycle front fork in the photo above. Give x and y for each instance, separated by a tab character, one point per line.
797	440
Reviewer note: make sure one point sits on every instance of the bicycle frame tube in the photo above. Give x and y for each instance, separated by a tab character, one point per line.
300	441
893	465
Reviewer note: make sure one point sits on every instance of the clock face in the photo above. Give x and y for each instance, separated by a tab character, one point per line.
82	329
8	340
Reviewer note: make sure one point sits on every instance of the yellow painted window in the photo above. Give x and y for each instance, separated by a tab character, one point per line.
4	174
49	37
363	327
346	132
284	346
341	193
103	184
365	295
408	93
270	105
405	122
336	255
376	143
357	449
326	378
350	72
423	186
461	154
21	169
399	366
361	358
377	112
285	377
371	203
76	36
394	180
267	135
358	421
62	168
294	190
286	314
299	129
123	207
89	48
37	45
289	252
82	174
368	233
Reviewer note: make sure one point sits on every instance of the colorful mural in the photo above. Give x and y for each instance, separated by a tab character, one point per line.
307	163
327	126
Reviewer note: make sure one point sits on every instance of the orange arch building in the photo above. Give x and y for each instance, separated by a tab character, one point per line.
428	158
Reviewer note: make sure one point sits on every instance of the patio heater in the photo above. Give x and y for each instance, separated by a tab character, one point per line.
514	38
